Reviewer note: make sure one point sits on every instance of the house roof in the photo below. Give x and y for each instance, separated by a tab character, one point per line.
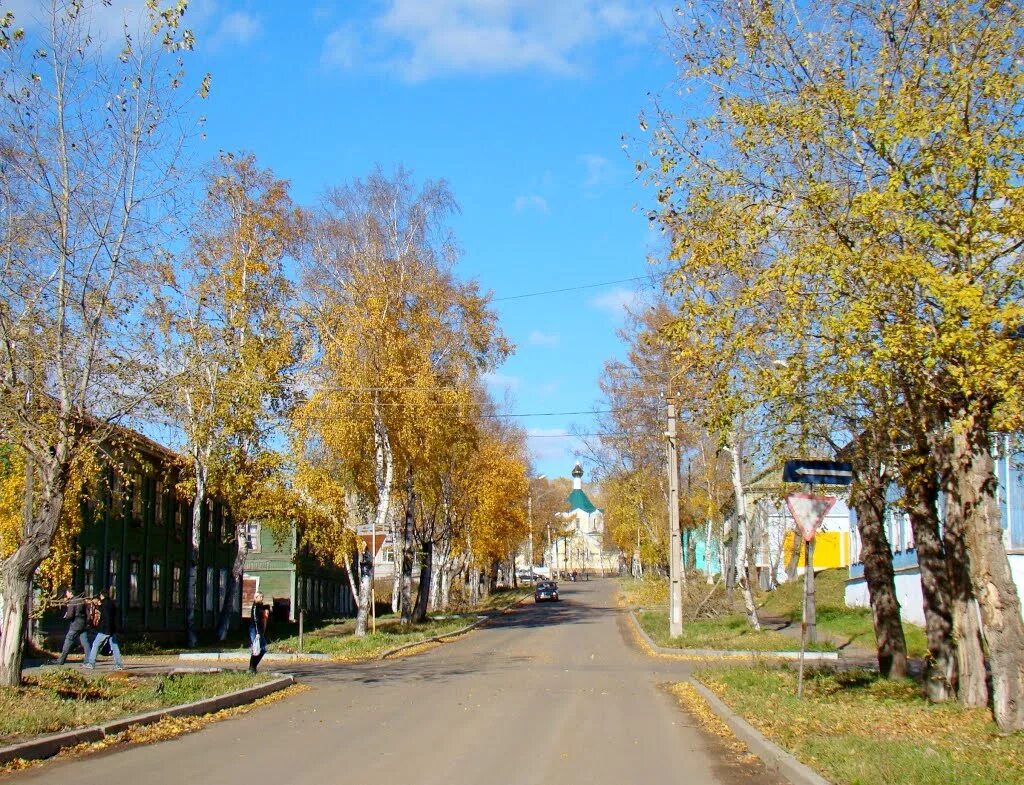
578	501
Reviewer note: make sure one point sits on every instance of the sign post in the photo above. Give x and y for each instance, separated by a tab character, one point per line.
808	510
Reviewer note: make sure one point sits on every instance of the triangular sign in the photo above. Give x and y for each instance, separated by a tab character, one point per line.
809	510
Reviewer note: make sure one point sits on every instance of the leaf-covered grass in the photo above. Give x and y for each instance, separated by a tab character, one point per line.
731	633
838	625
845	624
859	729
64	698
644	592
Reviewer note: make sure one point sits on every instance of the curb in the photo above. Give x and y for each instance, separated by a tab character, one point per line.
810	656
244	655
774	757
480	621
47	746
436	639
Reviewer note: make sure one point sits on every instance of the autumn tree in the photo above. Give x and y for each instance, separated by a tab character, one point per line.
87	183
847	206
230	338
400	342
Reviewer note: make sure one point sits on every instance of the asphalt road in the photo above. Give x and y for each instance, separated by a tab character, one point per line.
552	694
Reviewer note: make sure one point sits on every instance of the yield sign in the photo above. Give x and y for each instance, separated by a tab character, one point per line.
809	511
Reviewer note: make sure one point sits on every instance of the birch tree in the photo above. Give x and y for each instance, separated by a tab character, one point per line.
92	131
230	337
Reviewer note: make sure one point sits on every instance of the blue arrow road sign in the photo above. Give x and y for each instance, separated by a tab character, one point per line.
818	472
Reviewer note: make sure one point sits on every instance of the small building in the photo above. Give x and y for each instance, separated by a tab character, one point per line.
291	578
582	549
1010	494
772	532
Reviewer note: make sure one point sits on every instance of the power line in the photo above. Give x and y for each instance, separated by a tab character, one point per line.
575	288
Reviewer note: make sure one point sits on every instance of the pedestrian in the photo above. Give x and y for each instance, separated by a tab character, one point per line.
106	630
259	614
78	622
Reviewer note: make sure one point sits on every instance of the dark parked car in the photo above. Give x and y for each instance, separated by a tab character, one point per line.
546	590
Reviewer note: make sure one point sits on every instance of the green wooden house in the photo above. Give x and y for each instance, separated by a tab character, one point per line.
135	539
292	579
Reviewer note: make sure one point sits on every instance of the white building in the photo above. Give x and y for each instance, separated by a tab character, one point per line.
581	549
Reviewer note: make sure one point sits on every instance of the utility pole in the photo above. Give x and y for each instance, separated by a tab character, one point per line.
675	625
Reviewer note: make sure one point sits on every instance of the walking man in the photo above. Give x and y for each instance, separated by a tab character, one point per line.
77	623
107	629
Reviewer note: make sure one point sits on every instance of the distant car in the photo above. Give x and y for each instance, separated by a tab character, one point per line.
546	590
526	577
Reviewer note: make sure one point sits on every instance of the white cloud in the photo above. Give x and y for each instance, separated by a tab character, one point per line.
599	170
420	40
340	49
238	27
617	301
538	338
503	380
531	202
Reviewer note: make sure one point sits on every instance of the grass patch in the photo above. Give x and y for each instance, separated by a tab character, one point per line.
732	633
859	729
834	618
63	698
644	592
336	638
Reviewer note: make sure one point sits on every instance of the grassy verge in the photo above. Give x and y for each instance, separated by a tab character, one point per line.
858	729
838	625
843	624
63	698
731	633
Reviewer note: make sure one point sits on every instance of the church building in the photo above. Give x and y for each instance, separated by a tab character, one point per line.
581	547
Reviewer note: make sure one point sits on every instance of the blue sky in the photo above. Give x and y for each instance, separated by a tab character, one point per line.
519	104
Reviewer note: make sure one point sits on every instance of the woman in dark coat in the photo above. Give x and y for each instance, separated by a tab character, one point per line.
259	614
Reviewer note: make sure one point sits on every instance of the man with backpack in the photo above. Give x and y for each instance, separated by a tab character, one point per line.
76	615
106	630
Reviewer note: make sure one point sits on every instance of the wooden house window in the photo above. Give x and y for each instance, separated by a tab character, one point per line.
134	572
154	586
90	573
208	593
113	573
176	586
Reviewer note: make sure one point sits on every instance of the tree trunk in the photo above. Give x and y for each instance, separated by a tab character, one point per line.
742	540
16	589
867	496
940	674
972	686
18	570
990	572
474	586
227	608
195	543
408	551
365	597
426	580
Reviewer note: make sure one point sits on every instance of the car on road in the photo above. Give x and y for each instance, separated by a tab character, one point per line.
546	591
